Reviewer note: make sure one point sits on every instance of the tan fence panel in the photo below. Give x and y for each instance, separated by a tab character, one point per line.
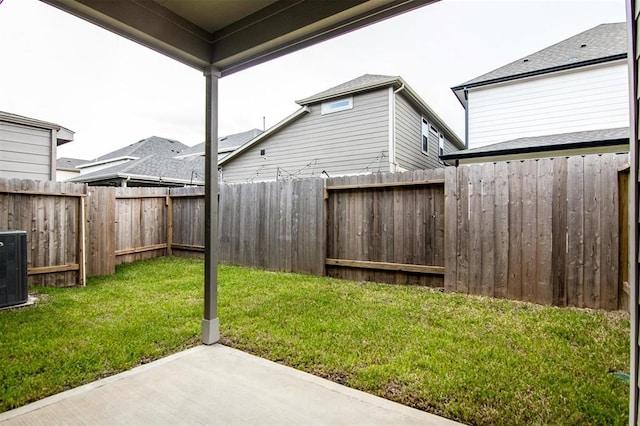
544	231
387	227
141	223
51	214
186	232
101	231
273	225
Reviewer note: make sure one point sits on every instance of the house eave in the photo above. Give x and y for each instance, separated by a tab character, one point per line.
63	136
462	155
108	160
137	178
459	90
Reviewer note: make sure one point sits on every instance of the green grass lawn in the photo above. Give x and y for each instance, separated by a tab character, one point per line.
472	359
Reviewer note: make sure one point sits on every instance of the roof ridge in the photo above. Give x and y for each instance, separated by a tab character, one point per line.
361	83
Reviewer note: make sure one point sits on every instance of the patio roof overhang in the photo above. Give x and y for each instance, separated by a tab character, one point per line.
232	35
220	37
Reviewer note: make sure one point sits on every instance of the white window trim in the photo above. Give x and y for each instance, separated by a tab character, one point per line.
441	143
424	122
327	108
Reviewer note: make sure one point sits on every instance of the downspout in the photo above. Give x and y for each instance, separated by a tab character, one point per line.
392	127
466	118
53	169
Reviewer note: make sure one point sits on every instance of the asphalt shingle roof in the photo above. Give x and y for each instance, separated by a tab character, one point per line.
146	147
602	43
155	165
540	143
225	143
361	83
69	163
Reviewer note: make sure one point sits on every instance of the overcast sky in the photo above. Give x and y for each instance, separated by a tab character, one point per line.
113	92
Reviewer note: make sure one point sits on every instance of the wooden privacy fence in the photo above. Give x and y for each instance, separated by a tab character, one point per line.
544	231
550	231
52	215
273	225
387	227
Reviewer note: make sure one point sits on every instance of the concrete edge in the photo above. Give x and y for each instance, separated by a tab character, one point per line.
41	403
336	387
355	394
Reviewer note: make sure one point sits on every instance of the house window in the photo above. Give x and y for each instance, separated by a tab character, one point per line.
337	105
441	143
425	137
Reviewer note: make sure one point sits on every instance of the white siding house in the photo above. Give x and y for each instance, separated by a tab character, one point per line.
28	147
577	85
367	125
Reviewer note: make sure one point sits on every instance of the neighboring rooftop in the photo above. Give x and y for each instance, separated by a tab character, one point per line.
557	142
225	143
604	43
153	168
364	82
146	147
67	163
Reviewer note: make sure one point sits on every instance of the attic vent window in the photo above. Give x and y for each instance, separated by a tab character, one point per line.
583	45
336	105
525	60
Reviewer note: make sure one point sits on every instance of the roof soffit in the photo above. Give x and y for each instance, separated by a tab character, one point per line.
232	35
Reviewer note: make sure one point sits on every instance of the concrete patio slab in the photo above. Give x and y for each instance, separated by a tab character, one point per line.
216	385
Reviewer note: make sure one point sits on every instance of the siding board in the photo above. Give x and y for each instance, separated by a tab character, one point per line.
569	101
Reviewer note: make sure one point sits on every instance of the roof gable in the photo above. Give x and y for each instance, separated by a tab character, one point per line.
360	84
604	43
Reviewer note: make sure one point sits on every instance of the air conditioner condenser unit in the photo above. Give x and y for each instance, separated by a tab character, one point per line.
13	268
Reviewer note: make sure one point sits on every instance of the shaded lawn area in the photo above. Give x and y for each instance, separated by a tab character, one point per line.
472	359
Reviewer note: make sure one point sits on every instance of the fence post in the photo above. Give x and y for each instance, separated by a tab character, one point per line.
169	204
450	227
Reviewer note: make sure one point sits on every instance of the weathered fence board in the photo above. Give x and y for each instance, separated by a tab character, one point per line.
51	214
273	225
543	230
101	231
394	221
141	230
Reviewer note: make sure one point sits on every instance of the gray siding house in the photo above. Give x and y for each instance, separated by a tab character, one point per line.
28	147
371	124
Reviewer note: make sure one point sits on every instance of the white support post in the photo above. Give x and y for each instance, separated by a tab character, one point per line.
210	323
